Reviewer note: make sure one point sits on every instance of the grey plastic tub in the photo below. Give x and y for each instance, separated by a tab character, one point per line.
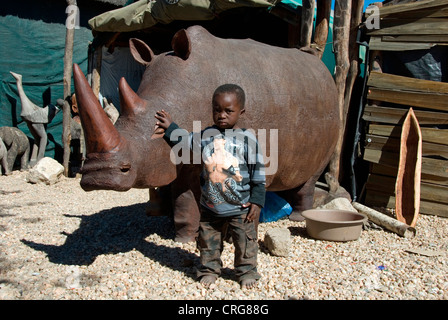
333	225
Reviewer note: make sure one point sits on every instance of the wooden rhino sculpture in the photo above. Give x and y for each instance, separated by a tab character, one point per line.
288	92
16	146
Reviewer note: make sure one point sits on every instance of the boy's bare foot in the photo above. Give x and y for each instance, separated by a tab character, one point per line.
207	280
248	283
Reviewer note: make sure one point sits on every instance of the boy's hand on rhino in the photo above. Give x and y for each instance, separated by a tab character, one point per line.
164	120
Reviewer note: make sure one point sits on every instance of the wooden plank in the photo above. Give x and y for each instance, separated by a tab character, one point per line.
432	167
384	130
393	144
424	26
376	168
403	23
436	12
435	167
377	43
375	113
418	8
384	184
429	192
379	199
384	158
439	39
430	101
383	170
375	142
430	135
394	82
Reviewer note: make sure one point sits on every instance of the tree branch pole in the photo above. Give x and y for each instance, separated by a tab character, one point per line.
357	7
306	28
341	36
385	221
322	26
66	113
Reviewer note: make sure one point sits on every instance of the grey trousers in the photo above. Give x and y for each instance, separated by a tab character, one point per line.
212	230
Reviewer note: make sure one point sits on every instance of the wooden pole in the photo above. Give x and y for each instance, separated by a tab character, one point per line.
66	113
341	35
357	7
322	26
306	28
385	221
96	72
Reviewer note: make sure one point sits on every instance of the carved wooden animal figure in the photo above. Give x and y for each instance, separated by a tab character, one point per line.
286	90
36	118
17	145
3	158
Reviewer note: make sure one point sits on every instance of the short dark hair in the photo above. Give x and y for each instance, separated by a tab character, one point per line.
235	89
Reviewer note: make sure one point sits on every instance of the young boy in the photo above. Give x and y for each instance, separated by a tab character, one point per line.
232	182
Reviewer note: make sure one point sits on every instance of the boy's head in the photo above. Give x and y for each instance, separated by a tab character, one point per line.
228	105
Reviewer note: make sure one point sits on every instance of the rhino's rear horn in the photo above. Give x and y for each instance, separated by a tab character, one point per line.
130	102
100	134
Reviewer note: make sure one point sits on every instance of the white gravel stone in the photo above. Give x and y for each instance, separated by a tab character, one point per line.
60	242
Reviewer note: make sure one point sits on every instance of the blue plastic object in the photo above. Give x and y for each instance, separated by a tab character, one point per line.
274	208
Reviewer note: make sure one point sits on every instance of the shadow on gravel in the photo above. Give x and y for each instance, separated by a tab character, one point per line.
119	230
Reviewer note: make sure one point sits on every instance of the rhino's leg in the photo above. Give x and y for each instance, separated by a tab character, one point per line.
301	198
5	166
159	202
24	160
12	155
25	151
185	191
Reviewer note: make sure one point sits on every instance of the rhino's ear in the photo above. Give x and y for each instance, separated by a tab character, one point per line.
181	44
141	52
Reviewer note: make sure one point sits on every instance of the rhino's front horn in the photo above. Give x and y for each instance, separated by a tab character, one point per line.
100	134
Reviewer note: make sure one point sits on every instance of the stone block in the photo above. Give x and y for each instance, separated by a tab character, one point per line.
46	171
278	241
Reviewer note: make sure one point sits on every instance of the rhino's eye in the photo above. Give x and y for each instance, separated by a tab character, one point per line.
125	168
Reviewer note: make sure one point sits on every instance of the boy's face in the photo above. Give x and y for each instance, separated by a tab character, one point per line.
226	110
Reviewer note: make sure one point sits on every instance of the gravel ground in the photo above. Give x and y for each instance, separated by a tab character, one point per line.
59	242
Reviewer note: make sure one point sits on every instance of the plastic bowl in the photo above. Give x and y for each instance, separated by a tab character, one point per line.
333	225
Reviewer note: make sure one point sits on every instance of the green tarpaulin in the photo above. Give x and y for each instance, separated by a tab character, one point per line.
146	13
33	44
